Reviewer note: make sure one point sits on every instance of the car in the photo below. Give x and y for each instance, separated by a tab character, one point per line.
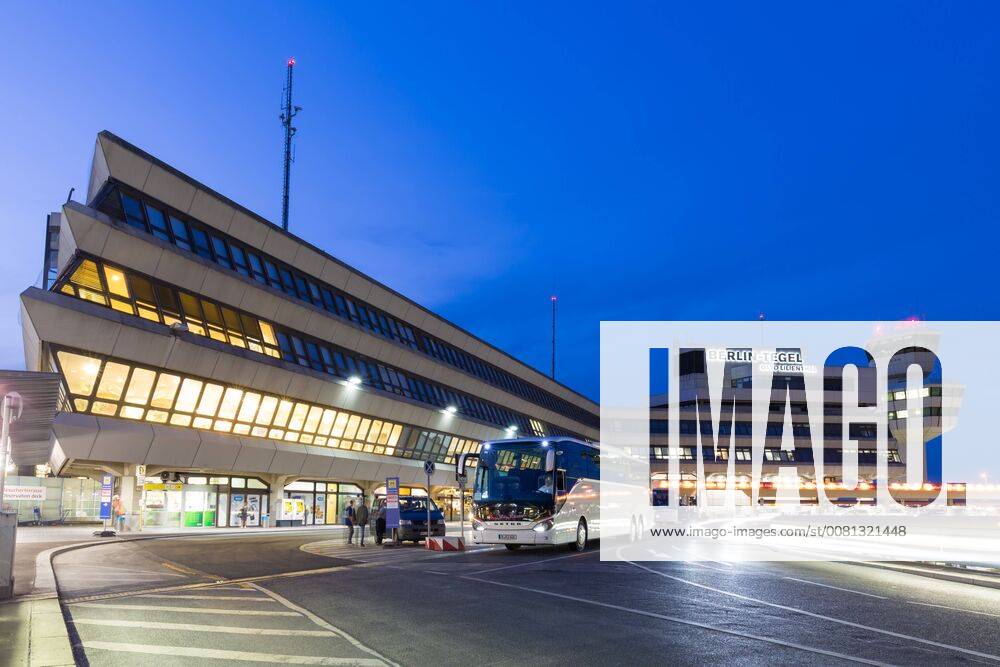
412	519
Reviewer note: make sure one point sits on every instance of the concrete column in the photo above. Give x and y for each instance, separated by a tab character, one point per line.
277	484
131	498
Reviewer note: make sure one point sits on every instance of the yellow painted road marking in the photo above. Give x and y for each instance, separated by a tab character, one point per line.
182	569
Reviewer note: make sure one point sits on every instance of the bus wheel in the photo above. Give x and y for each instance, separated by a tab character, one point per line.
512	547
580	544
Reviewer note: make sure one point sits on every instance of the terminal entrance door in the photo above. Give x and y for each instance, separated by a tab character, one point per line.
254	503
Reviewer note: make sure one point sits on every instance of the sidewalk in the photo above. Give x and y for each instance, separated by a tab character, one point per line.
33	633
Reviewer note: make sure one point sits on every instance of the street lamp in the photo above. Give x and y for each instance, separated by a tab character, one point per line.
450	410
353	382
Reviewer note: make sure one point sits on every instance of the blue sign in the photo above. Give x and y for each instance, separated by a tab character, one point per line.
107	486
392	502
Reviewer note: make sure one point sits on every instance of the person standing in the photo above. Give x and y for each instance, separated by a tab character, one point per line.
349	520
244	514
118	513
361	517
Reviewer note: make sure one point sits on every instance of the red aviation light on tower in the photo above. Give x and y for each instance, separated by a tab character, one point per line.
291	61
553	297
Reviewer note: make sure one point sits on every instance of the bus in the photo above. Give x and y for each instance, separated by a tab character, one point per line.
537	491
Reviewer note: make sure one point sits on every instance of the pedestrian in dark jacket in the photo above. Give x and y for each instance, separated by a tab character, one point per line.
349	520
361	517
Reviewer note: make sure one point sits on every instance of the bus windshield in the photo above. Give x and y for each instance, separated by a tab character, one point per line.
514	473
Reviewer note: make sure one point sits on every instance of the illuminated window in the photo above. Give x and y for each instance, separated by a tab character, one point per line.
112	381
230	402
268	334
248	410
80	372
116	282
209	399
352	427
312	420
102	408
180	420
166	389
362	429
157	416
81	404
339	425
132	412
186	400
298	417
140	386
267	407
281	416
326	423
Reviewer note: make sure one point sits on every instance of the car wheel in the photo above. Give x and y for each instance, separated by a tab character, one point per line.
512	547
580	543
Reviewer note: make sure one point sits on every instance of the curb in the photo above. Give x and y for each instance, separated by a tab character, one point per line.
942	572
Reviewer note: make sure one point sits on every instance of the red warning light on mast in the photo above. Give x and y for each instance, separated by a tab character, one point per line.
291	62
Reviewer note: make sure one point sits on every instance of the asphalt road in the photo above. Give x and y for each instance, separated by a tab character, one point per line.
300	599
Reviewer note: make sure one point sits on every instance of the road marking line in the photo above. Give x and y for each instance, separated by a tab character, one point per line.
174	596
831	619
838	588
215	584
682	621
121	570
382	660
218	654
181	569
186	610
944	606
156	625
534	562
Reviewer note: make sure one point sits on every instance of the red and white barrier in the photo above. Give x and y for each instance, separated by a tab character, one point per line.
446	544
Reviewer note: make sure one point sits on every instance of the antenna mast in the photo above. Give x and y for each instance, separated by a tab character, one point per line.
552	374
287	114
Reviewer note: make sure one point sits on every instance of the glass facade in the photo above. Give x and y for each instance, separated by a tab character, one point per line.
117	388
174	227
128	292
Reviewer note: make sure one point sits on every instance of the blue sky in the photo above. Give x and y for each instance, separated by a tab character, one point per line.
649	161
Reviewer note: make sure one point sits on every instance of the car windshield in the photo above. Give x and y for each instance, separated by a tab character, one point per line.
513	473
415	505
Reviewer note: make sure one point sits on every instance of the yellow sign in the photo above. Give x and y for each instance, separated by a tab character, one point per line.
172	486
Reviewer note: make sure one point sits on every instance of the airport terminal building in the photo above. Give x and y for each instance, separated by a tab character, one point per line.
211	360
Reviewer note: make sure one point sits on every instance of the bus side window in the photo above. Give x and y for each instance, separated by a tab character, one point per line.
561	481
